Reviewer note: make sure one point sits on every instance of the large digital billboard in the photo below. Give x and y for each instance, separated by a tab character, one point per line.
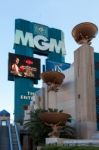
23	66
56	66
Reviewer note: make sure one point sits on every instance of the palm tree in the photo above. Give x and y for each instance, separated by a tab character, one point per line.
68	132
39	131
36	128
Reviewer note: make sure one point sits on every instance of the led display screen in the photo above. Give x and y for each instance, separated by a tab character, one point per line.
23	66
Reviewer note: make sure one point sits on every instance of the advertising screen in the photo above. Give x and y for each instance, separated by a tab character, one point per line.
56	66
23	66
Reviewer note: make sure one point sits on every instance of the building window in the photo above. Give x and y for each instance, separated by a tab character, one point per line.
3	123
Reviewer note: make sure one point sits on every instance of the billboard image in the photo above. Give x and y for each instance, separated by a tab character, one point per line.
56	66
23	66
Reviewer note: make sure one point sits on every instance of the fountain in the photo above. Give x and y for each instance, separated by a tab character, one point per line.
84	32
56	120
53	79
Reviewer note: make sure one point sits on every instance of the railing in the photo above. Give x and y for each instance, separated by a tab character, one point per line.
10	137
17	135
80	142
73	142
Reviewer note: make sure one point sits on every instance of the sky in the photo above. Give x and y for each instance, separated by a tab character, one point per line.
60	14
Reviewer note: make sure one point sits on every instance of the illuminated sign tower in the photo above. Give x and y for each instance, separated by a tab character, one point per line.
32	38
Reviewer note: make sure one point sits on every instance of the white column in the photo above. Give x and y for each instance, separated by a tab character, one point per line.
85	91
52	99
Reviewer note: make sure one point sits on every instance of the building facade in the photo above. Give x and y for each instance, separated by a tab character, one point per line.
78	95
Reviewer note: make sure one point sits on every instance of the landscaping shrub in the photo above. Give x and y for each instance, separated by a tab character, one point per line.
56	147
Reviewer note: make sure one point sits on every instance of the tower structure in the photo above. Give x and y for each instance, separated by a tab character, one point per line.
85	100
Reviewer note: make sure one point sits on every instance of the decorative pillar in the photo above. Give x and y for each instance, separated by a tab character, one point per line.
85	80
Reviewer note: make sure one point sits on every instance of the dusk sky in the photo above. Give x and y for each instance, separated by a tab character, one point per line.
60	14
